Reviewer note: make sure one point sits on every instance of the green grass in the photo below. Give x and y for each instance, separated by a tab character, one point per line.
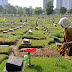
3	57
5	50
45	65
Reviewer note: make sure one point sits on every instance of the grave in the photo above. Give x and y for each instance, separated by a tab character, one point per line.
30	32
20	20
11	29
55	39
58	44
13	33
14	64
36	28
18	27
54	24
15	28
5	31
26	41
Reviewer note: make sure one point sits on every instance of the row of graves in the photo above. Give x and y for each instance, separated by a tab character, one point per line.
16	63
12	29
55	39
13	63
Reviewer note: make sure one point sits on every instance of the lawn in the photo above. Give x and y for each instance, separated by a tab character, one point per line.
45	65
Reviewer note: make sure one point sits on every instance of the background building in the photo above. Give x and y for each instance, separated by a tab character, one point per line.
3	2
62	3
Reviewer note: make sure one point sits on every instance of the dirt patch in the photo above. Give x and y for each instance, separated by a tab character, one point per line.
41	52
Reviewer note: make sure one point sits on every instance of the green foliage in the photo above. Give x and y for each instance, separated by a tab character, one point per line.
2	20
70	11
9	9
62	10
49	8
38	11
28	11
20	11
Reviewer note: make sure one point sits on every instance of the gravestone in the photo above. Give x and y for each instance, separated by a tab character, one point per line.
20	20
11	30
18	27
5	31
55	39
58	44
26	41
15	28
14	64
30	31
54	24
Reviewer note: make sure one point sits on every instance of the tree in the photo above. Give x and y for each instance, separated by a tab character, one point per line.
38	10
9	9
20	11
70	11
62	10
1	8
28	11
49	8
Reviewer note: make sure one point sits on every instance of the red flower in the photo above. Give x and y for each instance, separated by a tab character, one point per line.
31	50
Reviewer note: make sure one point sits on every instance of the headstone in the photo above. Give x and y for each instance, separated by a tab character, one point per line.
15	28
20	20
18	27
11	30
55	39
26	41
36	28
58	44
13	33
14	64
5	31
54	24
30	31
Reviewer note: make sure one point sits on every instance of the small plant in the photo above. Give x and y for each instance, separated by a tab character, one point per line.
29	51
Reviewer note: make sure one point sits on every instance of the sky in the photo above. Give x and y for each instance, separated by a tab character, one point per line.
27	3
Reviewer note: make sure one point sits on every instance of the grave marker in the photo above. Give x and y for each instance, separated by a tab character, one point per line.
14	64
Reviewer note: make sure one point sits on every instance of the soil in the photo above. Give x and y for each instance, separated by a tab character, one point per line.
41	52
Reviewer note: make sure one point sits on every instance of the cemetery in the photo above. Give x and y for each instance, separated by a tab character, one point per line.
36	38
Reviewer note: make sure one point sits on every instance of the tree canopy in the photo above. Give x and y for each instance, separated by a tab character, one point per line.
28	11
9	9
20	11
62	10
49	8
70	11
38	10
